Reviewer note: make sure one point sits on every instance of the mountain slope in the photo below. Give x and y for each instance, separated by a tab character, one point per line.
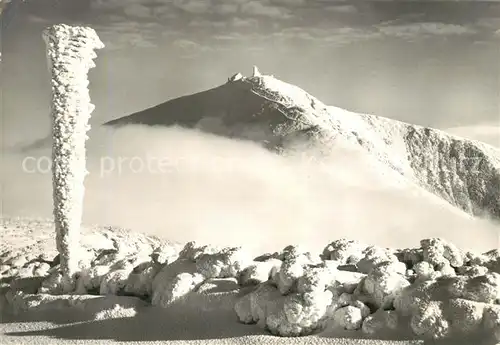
285	118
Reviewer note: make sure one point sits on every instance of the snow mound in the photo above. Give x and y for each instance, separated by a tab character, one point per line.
195	266
305	297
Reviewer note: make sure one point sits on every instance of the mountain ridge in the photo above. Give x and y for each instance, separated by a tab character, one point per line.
285	118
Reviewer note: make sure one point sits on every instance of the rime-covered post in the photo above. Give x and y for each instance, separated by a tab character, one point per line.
70	54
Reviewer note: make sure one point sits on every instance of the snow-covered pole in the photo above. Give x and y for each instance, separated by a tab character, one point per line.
70	54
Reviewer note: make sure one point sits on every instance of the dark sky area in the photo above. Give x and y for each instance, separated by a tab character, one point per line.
431	63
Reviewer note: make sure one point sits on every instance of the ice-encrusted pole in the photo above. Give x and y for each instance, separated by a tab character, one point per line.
70	54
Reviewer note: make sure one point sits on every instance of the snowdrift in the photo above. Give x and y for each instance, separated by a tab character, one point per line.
433	291
285	118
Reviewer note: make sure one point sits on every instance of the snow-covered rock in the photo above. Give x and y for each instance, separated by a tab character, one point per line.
490	260
384	283
448	306
165	254
346	281
228	262
448	318
410	256
483	288
294	265
440	253
344	251
491	320
425	270
302	296
140	280
465	317
192	251
90	279
259	272
194	266
429	320
381	321
472	271
174	281
350	318
374	256
113	283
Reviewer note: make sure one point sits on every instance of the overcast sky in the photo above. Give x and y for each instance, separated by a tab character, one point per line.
431	63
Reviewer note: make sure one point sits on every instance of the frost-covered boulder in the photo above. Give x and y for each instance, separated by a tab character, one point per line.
483	288
295	302
491	320
410	256
52	284
294	265
346	282
449	318
349	318
440	253
267	257
228	262
192	251
489	259
374	256
425	270
301	297
140	280
382	321
448	306
252	307
114	282
472	270
41	270
384	283
176	288
465	317
174	281
293	314
259	272
344	251
429	321
314	278
90	279
165	254
195	265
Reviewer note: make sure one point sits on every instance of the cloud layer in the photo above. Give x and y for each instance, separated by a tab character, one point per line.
326	22
215	190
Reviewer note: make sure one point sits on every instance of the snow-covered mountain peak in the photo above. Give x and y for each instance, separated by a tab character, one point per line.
286	118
